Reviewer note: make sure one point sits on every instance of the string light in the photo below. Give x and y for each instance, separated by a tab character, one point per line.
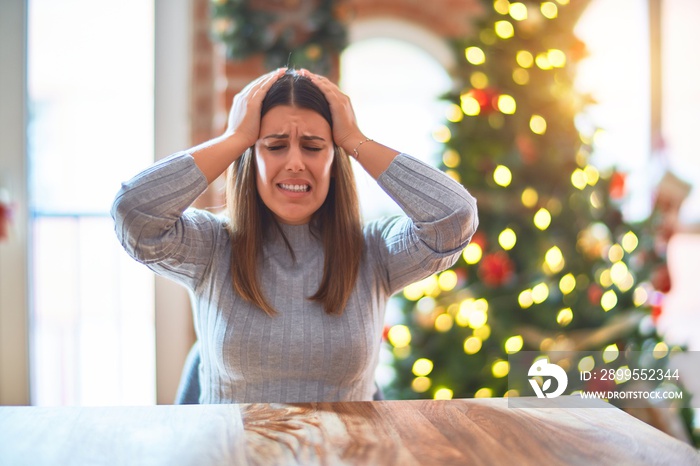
521	76
443	394
472	345
442	134
538	124
483	333
592	174
504	29
615	253
579	179
586	364
470	106
447	280
507	239
556	58
472	253
500	368
443	323
479	80
640	296
549	10
454	113
660	350
506	104
451	157
399	336
542	61
567	283
514	344
524	59
629	242
518	11
554	259
502	176
565	316
608	300
484	392
542	219
540	293
525	299
529	197
475	55
611	353
422	367
421	384
501	6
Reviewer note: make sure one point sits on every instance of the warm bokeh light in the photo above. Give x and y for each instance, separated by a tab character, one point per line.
451	158
567	283
443	394
422	367
565	316
556	58
484	392
542	61
538	124
549	10
475	55
629	241
421	384
479	80
554	259
540	293
470	106
529	197
518	11
524	59
525	299
454	113
513	344
502	176
472	253
611	353
399	336
640	296
506	104
472	345
586	364
504	29
443	323
507	239
442	134
579	179
592	174
521	76
615	253
542	219
501	6
500	368
609	300
447	280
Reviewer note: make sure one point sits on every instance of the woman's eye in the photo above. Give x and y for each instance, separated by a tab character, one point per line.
313	148
273	148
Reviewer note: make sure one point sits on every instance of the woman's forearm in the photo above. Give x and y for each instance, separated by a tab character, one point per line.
214	156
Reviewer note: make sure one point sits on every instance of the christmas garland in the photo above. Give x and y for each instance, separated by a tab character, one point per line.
301	33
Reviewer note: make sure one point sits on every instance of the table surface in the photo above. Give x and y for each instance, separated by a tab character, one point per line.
416	432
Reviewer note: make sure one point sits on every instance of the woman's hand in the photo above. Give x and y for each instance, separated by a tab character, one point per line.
244	117
346	132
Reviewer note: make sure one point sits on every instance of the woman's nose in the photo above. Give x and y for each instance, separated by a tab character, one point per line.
295	161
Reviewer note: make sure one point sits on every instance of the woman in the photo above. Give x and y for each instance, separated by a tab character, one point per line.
289	291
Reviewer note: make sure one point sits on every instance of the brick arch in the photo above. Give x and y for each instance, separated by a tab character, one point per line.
445	18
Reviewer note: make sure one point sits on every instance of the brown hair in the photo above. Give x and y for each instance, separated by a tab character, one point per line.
338	221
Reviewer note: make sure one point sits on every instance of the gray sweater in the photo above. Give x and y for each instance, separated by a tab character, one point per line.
302	354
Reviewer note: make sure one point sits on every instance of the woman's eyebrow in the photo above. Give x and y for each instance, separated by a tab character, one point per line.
286	136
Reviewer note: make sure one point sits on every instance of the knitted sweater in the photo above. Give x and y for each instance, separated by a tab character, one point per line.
302	354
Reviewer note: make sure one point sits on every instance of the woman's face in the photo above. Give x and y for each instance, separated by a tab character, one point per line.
294	155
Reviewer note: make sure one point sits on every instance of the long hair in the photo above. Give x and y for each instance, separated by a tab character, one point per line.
338	221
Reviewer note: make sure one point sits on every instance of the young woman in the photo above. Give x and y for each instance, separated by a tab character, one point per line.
289	289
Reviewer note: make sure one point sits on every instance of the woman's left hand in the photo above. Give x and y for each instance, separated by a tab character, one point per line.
346	132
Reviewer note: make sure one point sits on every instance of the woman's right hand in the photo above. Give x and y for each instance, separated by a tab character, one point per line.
244	117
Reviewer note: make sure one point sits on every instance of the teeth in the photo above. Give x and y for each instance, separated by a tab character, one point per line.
297	188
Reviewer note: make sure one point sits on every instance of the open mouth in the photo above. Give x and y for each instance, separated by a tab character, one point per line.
295	188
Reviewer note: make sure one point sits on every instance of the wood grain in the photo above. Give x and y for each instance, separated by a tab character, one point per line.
418	432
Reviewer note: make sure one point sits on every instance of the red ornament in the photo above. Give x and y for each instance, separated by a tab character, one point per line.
656	302
487	98
661	279
385	333
617	185
527	149
496	269
595	292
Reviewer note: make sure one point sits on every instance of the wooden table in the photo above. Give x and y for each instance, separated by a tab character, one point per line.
418	432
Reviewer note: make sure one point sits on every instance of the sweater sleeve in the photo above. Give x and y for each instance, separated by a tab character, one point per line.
441	217
155	225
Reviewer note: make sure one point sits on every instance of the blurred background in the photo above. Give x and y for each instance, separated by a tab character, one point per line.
601	103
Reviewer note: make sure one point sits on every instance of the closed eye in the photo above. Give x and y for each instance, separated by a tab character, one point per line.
274	148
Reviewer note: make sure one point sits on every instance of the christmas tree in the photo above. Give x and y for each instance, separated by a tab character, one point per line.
554	265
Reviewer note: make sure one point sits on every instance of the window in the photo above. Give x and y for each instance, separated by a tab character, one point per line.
90	73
